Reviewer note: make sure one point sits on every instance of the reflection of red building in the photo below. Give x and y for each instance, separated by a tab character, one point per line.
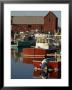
37	73
28	23
37	64
56	66
55	73
27	60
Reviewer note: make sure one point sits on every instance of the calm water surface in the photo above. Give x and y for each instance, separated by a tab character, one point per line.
20	70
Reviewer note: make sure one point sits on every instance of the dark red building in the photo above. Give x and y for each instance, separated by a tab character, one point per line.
48	23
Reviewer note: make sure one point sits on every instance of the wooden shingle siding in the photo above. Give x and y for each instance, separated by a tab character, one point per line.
50	22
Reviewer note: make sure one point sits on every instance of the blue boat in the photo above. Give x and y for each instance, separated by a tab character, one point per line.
27	42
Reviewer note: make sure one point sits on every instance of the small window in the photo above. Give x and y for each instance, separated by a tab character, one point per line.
29	26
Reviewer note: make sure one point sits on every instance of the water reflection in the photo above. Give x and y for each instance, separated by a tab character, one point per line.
24	66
